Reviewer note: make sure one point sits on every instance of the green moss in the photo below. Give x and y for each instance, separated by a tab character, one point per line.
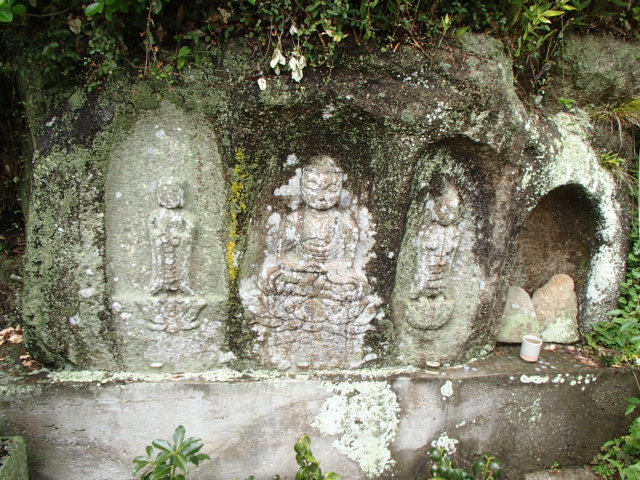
77	100
241	195
240	198
144	97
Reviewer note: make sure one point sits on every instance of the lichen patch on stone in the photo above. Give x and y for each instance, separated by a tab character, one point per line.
364	417
537	379
446	443
447	389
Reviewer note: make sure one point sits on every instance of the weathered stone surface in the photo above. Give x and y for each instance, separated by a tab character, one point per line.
378	424
519	317
407	134
164	220
563	474
10	291
556	309
594	69
599	74
426	303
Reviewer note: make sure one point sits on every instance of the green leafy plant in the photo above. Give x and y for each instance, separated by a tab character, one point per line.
104	35
444	468
170	461
617	341
487	468
9	8
617	165
611	160
625	114
309	465
620	457
534	23
567	103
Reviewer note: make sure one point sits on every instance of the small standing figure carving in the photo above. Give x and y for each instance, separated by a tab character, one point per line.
171	231
173	305
437	244
311	301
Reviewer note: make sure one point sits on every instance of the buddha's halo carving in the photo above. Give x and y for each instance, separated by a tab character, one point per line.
311	302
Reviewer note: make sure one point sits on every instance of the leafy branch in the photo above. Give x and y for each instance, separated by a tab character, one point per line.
170	461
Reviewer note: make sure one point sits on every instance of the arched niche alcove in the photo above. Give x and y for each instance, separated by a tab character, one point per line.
559	236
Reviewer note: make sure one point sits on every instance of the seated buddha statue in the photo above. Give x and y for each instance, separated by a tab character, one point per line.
315	244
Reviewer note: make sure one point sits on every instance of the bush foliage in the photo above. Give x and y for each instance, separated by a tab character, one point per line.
161	37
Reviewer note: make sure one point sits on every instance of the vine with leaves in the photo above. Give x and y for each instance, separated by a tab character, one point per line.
162	37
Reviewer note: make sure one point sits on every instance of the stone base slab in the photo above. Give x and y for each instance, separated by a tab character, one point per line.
369	424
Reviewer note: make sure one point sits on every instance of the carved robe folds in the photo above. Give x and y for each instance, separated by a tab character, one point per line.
174	306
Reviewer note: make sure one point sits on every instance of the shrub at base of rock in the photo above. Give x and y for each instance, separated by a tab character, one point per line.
13	459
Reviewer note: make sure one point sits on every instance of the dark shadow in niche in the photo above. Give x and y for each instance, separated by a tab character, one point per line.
559	236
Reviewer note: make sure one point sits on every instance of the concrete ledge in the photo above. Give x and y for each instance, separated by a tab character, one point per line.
377	424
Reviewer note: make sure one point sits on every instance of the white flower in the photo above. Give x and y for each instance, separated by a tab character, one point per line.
277	59
262	83
293	30
296	65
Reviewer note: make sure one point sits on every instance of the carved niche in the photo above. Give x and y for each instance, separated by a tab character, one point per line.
428	306
311	303
165	224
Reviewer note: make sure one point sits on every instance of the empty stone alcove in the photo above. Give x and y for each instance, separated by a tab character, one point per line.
559	236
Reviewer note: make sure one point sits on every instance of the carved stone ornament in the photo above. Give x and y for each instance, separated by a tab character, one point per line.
428	306
311	303
172	314
173	306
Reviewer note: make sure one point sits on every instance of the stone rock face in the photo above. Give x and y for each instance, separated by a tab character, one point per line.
518	318
563	474
556	309
179	228
433	292
597	69
372	425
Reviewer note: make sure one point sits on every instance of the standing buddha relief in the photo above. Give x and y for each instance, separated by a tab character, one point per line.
428	306
311	303
174	305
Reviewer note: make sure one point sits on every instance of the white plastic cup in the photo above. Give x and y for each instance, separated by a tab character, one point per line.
530	348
